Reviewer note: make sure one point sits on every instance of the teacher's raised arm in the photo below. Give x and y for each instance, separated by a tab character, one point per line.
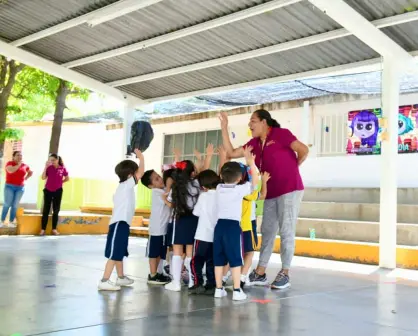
233	153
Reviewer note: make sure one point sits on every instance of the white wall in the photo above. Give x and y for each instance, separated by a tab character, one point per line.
88	150
339	171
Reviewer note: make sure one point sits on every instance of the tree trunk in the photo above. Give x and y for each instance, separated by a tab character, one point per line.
60	106
8	73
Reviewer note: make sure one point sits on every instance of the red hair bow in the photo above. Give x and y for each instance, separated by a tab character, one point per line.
181	165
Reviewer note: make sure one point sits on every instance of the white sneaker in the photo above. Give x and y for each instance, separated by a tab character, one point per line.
239	296
220	293
108	286
124	282
172	286
2	225
12	225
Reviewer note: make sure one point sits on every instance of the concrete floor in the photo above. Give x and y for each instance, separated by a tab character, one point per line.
48	287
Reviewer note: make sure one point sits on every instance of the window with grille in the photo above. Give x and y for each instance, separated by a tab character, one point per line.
188	142
332	131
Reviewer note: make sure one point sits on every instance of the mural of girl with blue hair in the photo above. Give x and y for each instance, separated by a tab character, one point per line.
365	126
405	125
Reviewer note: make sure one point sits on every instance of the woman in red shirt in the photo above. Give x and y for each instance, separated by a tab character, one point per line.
16	174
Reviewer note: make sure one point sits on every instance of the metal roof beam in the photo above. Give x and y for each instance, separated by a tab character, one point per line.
364	30
57	70
93	18
350	68
224	20
303	42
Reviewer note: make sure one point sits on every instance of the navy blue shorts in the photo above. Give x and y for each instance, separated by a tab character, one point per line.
184	229
156	247
169	235
248	241
254	223
117	241
227	243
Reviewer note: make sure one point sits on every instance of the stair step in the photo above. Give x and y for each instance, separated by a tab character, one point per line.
360	231
368	212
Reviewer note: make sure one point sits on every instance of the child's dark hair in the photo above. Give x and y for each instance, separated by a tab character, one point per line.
208	179
146	178
231	172
168	174
125	169
182	176
59	158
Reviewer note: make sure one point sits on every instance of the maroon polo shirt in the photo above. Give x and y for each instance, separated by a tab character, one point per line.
279	160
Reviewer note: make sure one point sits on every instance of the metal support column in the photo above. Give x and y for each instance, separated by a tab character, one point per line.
389	164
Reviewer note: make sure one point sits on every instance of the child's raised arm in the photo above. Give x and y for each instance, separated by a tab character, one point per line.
223	157
140	172
250	159
209	154
264	179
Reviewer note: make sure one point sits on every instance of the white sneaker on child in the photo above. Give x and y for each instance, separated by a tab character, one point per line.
220	293
108	286
122	282
172	286
239	295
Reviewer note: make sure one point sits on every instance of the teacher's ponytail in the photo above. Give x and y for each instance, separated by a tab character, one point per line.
265	115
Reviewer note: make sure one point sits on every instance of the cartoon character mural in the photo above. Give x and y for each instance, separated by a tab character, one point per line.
364	133
365	126
405	125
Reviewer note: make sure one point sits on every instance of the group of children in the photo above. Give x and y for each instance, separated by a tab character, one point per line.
202	219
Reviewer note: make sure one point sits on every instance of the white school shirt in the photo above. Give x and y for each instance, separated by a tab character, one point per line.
205	209
124	202
229	200
193	188
160	213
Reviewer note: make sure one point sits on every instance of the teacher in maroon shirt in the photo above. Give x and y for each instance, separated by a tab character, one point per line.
55	175
278	152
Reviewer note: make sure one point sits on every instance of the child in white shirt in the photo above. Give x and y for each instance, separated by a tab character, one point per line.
227	242
123	212
205	209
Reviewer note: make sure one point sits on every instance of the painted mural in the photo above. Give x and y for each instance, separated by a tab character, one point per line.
364	131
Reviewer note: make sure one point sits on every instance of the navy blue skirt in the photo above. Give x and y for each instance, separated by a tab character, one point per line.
184	230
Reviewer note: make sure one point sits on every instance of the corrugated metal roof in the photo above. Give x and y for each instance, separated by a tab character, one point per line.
20	18
149	22
260	31
330	53
378	9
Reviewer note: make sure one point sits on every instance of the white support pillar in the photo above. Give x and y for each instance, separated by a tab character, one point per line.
128	119
389	164
306	122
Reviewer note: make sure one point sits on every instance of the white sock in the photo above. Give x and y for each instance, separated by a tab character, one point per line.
187	262
243	277
177	263
160	266
170	257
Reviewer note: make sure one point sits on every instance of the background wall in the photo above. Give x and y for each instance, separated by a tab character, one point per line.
90	153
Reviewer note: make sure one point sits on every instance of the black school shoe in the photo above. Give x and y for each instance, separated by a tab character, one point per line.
209	290
196	290
158	279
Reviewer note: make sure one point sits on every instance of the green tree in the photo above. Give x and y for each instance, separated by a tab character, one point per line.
9	69
63	90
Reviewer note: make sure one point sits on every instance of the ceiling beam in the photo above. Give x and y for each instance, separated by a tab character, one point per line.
101	15
59	71
224	20
374	64
303	42
364	30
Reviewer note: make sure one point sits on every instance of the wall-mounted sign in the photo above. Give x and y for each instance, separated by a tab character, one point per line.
364	131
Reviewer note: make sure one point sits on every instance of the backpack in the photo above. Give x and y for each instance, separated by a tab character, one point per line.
141	136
